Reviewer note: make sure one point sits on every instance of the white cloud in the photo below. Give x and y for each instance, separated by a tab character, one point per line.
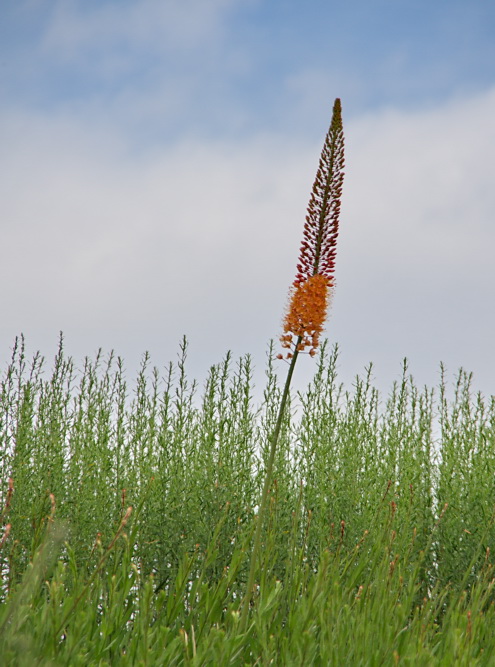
416	247
202	238
77	27
433	178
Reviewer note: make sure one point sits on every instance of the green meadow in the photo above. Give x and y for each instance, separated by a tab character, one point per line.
128	510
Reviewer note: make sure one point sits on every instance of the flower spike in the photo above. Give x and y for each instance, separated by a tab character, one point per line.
309	295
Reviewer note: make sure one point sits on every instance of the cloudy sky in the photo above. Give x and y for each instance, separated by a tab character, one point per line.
157	158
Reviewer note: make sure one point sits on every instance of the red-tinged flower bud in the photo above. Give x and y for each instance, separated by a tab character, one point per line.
322	221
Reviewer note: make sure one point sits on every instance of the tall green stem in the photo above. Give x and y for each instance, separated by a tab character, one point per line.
266	492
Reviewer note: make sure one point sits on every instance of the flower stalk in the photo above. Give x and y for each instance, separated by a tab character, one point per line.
308	300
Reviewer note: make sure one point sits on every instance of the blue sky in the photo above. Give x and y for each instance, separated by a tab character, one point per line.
234	67
158	157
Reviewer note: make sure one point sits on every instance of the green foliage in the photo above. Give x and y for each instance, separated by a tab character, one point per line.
376	549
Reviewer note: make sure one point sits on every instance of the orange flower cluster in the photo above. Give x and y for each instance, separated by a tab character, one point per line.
306	315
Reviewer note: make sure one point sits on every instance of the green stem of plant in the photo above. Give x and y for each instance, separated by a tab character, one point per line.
266	492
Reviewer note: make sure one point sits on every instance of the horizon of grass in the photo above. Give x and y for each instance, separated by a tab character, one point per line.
377	547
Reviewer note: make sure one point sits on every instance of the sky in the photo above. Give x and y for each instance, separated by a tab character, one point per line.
157	158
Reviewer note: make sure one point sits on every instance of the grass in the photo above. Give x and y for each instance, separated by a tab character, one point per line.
127	531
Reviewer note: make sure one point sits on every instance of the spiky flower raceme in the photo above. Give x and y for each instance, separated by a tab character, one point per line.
309	296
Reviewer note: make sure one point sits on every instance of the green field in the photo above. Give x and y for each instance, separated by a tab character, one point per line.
376	549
